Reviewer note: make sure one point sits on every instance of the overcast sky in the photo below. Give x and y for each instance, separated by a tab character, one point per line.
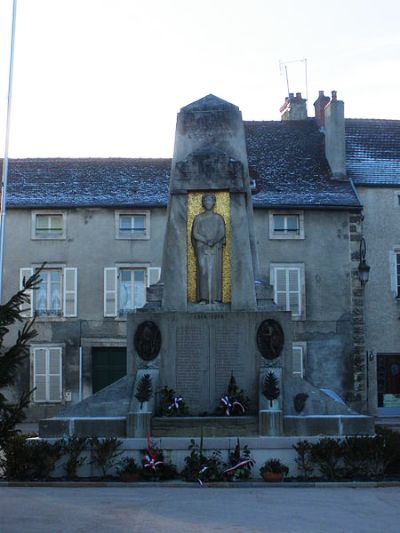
106	78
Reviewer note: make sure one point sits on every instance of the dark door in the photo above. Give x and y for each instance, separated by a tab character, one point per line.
388	378
108	365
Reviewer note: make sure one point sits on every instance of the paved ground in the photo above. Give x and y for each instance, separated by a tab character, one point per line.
192	510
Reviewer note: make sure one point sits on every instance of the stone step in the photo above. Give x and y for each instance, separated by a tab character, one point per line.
208	426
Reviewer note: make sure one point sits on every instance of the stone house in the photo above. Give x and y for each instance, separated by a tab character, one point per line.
99	226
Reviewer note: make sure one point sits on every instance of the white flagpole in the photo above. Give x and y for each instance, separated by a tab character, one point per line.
4	179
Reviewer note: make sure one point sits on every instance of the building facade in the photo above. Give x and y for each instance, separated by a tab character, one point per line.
99	227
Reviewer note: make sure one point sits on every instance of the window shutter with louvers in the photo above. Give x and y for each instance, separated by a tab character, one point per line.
110	292
70	292
28	307
153	275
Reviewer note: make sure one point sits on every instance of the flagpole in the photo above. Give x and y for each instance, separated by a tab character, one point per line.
4	179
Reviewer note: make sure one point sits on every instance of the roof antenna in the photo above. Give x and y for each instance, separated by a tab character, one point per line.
284	64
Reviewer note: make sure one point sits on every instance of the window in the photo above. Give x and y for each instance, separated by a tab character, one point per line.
125	287
132	289
289	291
394	260
47	374
56	295
133	225
286	225
299	353
48	225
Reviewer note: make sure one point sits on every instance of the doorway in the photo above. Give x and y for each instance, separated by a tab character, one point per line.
108	365
388	384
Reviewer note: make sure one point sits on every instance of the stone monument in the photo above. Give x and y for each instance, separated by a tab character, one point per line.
210	316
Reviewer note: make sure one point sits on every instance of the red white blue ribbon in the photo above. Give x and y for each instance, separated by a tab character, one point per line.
229	405
175	403
246	463
151	458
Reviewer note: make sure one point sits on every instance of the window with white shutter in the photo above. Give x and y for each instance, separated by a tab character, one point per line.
299	353
289	290
394	265
24	274
70	291
47	374
153	275
110	291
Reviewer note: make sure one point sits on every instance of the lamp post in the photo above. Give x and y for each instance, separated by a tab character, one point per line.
363	267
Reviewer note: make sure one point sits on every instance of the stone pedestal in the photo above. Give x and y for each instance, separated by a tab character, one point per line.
270	423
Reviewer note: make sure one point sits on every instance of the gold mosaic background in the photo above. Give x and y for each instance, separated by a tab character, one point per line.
222	207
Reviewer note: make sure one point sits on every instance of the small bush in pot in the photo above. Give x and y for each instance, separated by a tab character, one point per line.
273	470
129	470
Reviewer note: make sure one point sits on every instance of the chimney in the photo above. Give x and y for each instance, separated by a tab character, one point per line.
320	103
335	149
294	108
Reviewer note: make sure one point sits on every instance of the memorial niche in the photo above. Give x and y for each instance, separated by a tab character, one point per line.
270	339
147	340
208	237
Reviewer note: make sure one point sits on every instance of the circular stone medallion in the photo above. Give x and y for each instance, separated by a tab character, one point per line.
147	340
270	339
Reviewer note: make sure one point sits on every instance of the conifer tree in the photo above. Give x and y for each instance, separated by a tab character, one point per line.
144	390
270	387
11	358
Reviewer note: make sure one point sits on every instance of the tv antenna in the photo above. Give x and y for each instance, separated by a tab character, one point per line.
283	69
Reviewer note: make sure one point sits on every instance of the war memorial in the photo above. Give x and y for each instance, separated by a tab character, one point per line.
210	317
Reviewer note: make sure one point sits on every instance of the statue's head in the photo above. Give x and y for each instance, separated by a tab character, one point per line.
208	200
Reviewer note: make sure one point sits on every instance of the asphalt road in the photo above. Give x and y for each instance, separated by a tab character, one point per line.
184	510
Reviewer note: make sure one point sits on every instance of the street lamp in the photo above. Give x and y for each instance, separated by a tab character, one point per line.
363	268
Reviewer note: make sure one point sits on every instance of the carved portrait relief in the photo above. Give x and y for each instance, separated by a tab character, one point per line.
147	340
270	339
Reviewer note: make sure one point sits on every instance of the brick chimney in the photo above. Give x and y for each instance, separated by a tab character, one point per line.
335	149
294	108
320	103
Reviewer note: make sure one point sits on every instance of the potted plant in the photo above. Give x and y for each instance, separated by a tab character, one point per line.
273	470
129	470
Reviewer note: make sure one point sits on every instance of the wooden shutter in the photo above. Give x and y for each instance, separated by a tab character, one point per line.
27	308
153	275
110	292
54	386
70	292
294	289
394	287
298	361
39	374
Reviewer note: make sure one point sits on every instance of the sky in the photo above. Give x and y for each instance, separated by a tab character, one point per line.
106	78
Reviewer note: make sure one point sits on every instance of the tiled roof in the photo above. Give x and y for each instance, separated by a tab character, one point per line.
373	151
293	171
287	158
88	182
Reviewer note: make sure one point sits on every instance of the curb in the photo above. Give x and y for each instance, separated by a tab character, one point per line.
194	485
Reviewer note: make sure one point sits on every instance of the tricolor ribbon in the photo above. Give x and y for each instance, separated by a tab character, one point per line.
246	463
151	457
229	405
175	403
201	471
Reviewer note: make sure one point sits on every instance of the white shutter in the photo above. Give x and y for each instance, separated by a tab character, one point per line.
27	308
110	292
54	385
153	275
294	290
39	374
70	291
289	290
280	290
298	361
393	274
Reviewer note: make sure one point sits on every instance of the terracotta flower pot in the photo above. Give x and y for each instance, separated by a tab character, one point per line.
273	476
129	476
